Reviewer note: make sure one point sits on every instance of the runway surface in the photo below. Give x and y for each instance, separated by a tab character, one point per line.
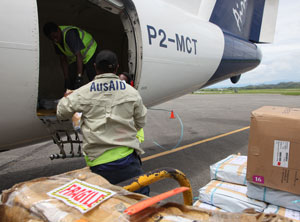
214	126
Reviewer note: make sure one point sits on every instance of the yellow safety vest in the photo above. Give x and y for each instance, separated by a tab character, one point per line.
115	153
87	39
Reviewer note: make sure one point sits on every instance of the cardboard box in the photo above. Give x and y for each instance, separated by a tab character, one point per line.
274	148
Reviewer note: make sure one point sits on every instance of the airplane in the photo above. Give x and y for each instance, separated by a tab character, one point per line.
171	47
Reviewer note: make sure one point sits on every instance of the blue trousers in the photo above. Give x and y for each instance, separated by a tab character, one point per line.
119	174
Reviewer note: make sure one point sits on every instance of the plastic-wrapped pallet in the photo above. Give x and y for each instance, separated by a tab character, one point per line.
292	214
231	169
229	197
206	206
276	197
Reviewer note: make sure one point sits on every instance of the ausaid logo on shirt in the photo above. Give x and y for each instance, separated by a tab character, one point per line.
111	86
81	195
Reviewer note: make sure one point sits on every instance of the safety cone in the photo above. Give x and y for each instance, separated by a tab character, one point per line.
172	115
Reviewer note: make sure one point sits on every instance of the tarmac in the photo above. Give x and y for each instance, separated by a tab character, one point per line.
206	129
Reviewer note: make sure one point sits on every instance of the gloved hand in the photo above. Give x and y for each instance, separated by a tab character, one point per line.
68	92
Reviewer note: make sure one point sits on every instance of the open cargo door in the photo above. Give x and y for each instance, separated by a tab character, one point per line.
112	23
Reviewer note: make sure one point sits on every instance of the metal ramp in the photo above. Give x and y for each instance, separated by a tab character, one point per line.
62	133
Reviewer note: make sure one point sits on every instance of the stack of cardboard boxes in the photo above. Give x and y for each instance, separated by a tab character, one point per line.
273	168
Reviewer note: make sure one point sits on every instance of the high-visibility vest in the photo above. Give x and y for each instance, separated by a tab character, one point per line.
140	135
87	39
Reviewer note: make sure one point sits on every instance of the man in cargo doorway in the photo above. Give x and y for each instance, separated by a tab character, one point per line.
112	113
77	51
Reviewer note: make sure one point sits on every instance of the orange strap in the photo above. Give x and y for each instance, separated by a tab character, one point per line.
152	200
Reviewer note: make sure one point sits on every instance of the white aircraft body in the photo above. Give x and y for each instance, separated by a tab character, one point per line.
171	47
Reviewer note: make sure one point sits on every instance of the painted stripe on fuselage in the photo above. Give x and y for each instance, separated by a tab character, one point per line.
239	56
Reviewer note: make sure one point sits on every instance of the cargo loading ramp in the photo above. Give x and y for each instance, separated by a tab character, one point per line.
62	133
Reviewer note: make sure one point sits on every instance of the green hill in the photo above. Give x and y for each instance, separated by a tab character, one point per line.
283	88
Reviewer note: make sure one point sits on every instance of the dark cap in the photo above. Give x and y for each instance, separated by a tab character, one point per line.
50	27
106	60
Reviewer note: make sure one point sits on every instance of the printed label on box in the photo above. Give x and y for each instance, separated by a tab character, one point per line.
81	195
281	153
258	179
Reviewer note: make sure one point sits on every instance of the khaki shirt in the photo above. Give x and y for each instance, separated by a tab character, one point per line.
112	113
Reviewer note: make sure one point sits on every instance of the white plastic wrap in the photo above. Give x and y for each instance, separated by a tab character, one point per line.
276	197
292	214
206	206
76	121
229	197
231	169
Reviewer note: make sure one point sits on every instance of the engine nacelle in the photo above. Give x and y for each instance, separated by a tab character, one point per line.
235	79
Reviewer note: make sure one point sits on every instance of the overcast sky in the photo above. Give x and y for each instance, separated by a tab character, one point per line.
281	59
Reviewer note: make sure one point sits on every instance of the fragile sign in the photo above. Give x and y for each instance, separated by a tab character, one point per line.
81	195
